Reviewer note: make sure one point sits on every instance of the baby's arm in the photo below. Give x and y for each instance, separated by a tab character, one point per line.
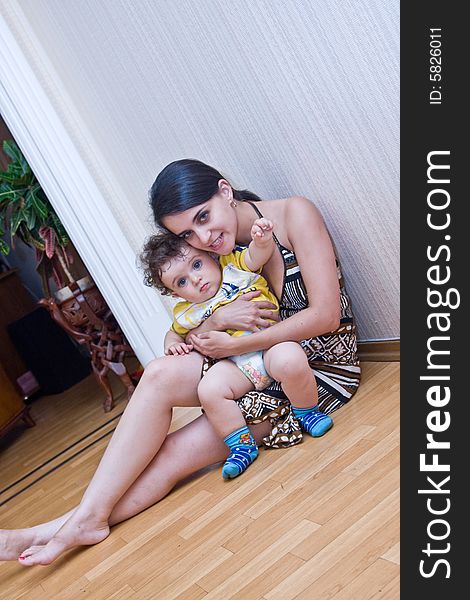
175	344
262	245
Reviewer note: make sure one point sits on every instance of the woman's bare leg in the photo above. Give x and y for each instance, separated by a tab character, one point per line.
185	451
139	435
14	541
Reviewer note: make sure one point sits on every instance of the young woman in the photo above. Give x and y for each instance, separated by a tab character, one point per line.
142	463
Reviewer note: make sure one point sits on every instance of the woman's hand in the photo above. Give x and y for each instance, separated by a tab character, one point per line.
243	315
216	344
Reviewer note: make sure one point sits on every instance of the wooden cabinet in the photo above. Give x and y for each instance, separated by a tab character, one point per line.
15	302
12	407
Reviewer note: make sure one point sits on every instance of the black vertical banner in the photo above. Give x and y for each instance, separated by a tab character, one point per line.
435	343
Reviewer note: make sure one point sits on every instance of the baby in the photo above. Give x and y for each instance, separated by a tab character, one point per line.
205	283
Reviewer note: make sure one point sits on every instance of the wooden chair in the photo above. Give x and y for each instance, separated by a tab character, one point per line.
87	318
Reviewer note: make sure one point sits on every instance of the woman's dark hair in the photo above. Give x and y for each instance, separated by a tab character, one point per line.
157	252
184	184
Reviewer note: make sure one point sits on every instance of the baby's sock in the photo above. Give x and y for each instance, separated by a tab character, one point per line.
312	421
243	451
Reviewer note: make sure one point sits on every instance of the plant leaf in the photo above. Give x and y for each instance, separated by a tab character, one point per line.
49	237
4	247
13	173
38	205
18	173
11	149
30	219
63	236
9	195
16	219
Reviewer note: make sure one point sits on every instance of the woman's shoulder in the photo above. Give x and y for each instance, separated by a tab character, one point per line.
288	205
295	219
292	210
291	202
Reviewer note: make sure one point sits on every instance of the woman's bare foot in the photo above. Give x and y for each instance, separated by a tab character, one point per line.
14	541
77	531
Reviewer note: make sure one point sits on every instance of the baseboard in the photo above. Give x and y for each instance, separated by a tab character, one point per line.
382	351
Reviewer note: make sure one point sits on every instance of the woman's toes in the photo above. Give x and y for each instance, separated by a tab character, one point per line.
28	553
41	555
69	536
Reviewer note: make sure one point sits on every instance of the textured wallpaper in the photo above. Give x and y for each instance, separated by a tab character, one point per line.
283	96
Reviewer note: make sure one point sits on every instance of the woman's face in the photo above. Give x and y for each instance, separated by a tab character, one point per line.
210	226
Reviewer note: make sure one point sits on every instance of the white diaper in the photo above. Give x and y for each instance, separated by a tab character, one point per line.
251	364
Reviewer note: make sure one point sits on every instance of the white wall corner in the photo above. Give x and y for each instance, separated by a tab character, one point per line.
81	206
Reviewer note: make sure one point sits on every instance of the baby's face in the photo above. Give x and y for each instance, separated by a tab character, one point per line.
195	276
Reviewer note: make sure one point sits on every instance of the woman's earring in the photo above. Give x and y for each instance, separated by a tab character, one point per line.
233	203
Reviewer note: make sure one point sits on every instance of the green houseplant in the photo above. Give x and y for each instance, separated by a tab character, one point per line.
28	215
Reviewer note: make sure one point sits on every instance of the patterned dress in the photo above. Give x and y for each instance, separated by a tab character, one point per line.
332	358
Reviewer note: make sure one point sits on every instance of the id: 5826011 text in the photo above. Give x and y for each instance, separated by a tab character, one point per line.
435	66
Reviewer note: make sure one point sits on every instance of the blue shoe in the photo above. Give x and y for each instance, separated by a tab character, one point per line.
239	460
313	421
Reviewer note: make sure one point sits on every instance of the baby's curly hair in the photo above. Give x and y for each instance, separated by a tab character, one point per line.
158	250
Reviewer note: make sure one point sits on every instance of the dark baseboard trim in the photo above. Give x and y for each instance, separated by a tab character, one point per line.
383	351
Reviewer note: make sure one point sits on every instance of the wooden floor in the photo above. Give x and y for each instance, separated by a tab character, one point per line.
316	521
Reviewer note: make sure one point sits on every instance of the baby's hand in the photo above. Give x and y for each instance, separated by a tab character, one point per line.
262	231
180	348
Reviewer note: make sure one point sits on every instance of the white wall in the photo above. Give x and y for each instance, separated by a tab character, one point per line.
283	96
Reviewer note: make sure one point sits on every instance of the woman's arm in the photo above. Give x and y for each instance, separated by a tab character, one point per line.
311	243
241	314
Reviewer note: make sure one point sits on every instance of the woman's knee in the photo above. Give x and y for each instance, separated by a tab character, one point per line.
286	359
174	371
159	372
